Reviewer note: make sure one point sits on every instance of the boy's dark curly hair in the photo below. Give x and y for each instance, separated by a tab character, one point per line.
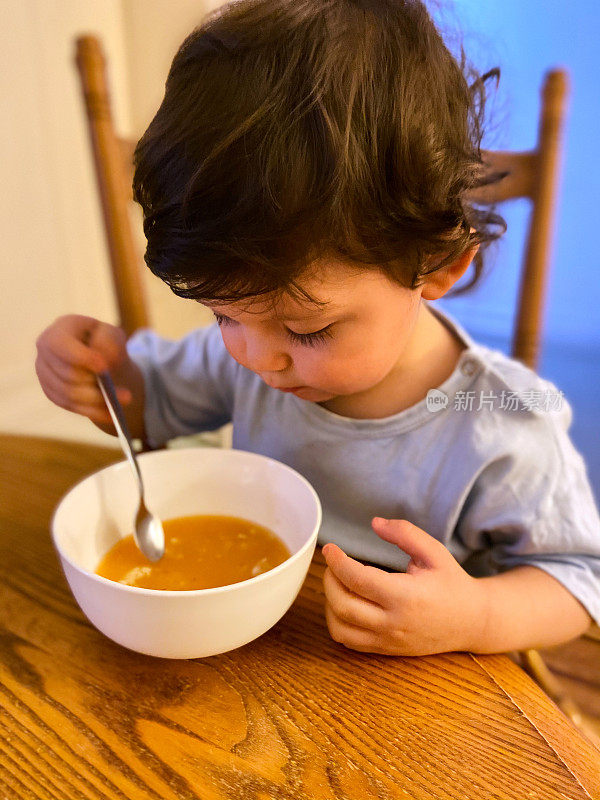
296	130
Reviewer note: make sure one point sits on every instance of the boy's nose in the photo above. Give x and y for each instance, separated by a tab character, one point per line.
264	357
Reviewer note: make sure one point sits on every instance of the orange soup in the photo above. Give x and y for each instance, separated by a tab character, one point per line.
201	552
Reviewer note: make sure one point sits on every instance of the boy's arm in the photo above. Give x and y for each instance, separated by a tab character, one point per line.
185	386
526	608
437	607
533	510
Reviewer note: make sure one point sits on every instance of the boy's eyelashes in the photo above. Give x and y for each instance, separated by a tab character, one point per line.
316	337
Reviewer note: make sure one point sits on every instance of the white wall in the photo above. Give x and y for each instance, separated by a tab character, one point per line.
54	257
154	29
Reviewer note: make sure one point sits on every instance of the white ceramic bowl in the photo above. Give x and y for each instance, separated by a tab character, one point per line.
99	511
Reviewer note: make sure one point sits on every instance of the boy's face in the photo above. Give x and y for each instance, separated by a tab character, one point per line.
365	334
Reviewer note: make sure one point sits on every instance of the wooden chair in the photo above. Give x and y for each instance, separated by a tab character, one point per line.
113	161
535	174
532	174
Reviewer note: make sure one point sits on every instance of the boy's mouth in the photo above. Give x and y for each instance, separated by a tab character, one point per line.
285	388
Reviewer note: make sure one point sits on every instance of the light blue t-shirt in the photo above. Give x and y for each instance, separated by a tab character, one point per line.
484	464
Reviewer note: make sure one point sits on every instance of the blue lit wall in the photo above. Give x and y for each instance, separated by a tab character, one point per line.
525	38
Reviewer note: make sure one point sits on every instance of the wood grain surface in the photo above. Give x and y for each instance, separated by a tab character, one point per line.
293	715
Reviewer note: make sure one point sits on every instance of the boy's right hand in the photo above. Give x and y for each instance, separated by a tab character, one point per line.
70	352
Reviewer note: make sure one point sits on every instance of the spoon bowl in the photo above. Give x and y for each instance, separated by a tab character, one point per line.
148	533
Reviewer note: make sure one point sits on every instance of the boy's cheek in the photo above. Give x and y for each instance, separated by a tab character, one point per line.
234	346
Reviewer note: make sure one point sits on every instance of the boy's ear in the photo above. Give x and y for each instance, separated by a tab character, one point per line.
442	280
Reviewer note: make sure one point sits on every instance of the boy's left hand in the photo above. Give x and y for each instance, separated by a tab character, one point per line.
434	607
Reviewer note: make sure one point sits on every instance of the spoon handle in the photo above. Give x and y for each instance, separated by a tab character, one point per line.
115	409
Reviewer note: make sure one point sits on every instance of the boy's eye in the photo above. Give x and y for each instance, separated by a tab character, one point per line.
316	337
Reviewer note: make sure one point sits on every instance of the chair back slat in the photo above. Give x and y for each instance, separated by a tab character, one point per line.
519	170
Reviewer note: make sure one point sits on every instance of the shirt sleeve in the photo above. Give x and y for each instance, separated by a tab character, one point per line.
533	504
188	383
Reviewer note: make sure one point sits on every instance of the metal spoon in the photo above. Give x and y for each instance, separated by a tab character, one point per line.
147	530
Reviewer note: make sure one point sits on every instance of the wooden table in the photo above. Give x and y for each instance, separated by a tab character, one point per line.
293	715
